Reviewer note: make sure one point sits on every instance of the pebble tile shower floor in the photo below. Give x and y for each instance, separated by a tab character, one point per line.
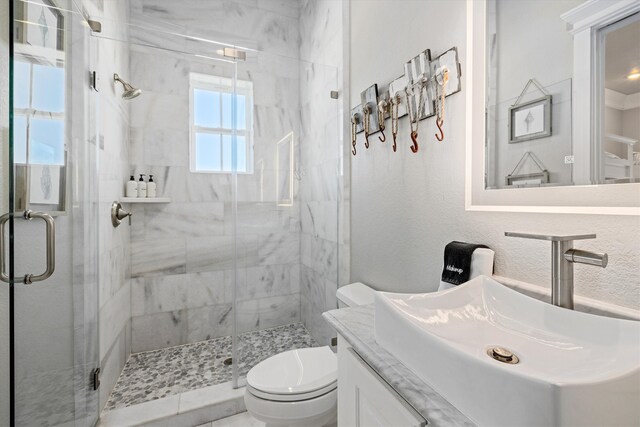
160	373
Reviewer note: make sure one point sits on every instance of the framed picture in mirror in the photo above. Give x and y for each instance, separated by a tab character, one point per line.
530	120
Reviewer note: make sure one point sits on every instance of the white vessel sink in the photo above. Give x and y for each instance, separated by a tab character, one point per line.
574	368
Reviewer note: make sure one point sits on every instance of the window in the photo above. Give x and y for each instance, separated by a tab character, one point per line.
39	114
212	118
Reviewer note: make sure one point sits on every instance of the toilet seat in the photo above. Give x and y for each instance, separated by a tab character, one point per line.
292	397
294	375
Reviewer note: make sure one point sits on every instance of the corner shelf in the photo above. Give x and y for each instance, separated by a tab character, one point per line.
145	200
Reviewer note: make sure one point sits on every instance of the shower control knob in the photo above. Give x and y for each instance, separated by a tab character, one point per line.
118	214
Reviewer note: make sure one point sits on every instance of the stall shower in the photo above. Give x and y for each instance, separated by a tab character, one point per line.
235	110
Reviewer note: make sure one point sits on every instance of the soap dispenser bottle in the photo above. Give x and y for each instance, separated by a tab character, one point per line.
151	187
142	187
132	188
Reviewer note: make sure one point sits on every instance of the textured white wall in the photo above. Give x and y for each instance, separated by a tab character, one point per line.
406	207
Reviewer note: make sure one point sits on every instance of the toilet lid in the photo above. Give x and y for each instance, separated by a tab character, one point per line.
295	372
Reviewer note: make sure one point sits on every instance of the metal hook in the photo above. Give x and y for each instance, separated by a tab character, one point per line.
382	107
367	121
354	125
440	137
414	138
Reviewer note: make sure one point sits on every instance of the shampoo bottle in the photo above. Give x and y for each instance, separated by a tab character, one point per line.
132	188
142	187
151	187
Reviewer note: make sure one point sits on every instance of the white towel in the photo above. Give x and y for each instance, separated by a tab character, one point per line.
481	264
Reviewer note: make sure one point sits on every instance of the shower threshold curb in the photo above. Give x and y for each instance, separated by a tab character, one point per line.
187	409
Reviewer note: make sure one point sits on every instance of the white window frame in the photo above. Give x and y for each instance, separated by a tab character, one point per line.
222	85
29	113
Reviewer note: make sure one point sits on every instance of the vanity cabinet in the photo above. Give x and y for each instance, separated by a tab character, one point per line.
365	399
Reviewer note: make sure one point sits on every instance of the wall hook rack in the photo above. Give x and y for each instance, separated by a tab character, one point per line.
419	93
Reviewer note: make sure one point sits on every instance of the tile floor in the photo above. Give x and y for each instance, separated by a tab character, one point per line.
241	420
160	373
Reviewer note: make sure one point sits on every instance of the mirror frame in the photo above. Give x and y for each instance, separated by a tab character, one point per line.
604	199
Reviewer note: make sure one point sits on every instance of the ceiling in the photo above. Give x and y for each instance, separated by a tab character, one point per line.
622	55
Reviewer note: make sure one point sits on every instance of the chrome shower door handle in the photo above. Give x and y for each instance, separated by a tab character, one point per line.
51	247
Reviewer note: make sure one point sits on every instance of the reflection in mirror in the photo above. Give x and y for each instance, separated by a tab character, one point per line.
620	48
39	106
531	85
529	77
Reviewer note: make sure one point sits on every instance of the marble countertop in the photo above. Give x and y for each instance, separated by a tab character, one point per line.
356	326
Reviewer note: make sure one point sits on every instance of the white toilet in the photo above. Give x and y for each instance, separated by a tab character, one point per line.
299	387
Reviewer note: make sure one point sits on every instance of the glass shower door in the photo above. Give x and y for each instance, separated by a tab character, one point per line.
49	288
286	198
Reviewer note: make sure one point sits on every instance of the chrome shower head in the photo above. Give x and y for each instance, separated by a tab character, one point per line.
130	92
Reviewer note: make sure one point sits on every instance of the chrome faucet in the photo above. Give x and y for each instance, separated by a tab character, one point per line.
563	256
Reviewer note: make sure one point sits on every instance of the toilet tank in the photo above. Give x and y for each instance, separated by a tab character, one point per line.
355	294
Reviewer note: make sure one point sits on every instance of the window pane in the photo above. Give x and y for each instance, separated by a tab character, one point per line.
48	88
21	78
226	111
241	106
242	154
46	142
206	108
20	139
207	152
227	153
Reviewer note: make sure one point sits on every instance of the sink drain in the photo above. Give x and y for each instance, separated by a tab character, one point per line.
503	355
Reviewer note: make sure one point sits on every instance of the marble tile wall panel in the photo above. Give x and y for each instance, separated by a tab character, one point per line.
320	22
185	219
267	29
209	288
161	111
217	253
113	362
270	280
158	330
256	218
279	248
262	313
114	317
320	219
209	322
158	294
155	257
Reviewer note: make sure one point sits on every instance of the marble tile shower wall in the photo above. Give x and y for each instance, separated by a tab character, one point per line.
182	252
114	266
322	192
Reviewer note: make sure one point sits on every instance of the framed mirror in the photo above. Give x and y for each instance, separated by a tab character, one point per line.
543	141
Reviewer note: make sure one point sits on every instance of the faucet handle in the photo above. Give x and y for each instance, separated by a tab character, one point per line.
586	257
550	237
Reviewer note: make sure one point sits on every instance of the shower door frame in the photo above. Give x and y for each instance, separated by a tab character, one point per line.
79	203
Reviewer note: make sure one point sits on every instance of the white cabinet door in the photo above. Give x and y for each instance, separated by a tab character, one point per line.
365	399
